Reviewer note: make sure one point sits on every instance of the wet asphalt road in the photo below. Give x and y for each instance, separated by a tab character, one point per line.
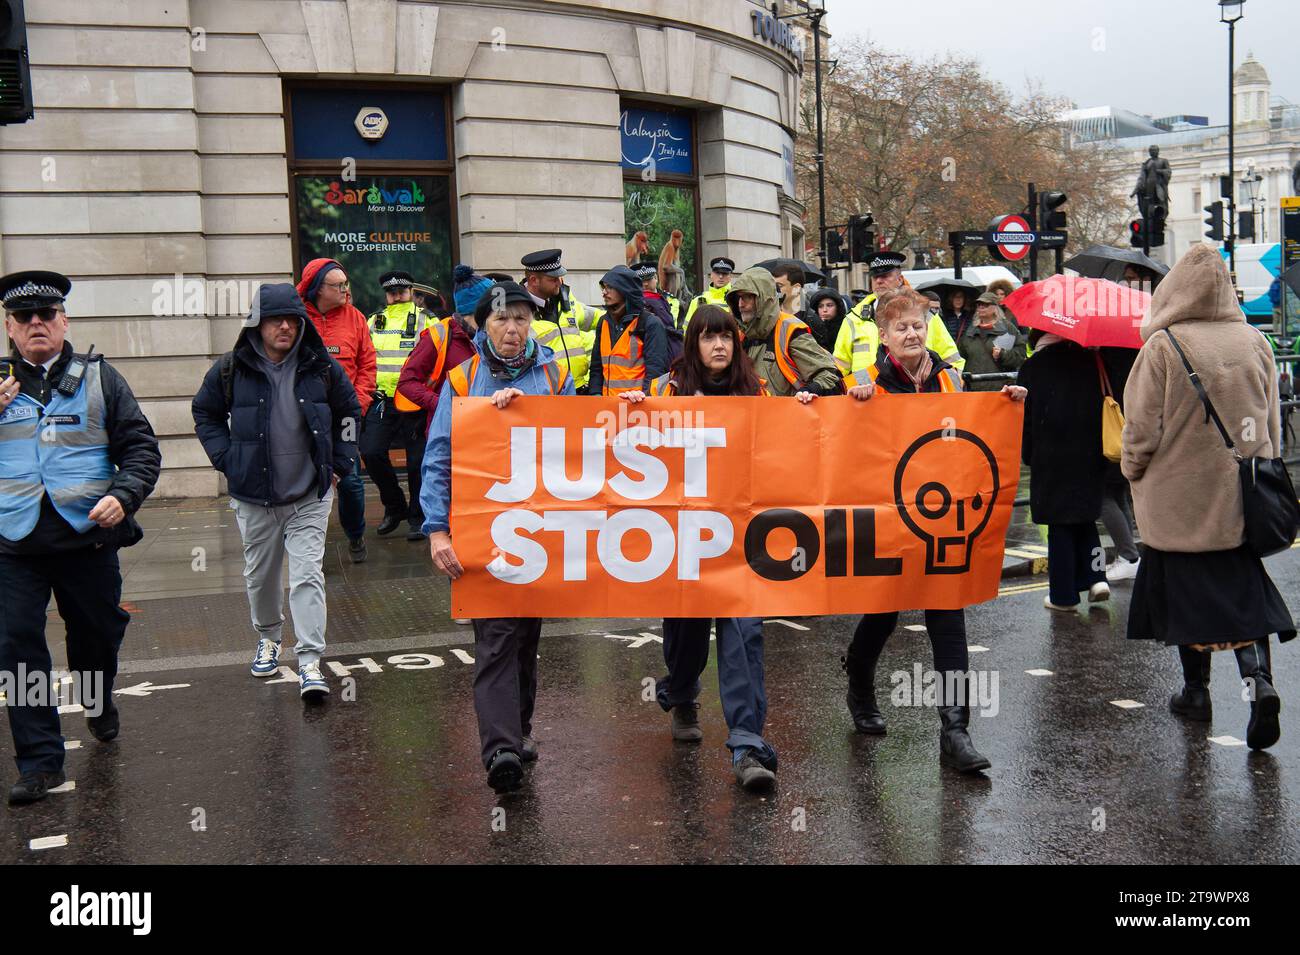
393	775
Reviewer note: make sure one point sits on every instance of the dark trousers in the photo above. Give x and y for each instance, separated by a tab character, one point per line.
505	681
1075	561
384	425
1117	513
351	493
741	684
87	587
945	628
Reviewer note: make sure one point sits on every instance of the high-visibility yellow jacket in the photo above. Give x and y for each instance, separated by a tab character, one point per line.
394	331
858	343
571	338
710	296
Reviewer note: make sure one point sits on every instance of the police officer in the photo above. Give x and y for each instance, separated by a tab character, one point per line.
667	307
857	346
78	459
394	331
720	270
563	324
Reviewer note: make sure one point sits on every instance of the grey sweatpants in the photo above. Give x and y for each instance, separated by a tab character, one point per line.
269	533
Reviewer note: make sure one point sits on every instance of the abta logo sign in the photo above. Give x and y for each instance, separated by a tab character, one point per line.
371	122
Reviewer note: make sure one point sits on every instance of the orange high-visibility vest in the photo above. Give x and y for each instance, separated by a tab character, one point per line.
947	380
624	363
440	332
786	327
463	374
665	386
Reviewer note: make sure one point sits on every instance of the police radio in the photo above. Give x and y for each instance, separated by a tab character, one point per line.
73	374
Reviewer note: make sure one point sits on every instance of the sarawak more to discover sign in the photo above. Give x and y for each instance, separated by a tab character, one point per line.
730	507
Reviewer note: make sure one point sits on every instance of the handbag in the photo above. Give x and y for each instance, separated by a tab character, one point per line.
1112	417
1267	495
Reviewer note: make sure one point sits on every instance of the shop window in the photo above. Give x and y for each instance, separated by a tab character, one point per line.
661	194
372	184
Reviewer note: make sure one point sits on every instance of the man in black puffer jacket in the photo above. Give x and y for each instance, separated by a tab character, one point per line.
279	418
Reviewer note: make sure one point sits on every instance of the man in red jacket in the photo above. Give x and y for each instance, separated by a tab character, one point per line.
325	291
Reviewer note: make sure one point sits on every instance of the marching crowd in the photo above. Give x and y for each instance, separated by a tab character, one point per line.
313	388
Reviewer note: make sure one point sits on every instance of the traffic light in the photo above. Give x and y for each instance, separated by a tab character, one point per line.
15	74
1246	226
1214	220
1137	233
862	240
1156	226
834	246
1049	201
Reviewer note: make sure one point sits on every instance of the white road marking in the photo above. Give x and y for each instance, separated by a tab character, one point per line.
1226	740
72	708
786	623
72	744
461	655
145	688
67	787
634	642
1040	672
915	628
976	648
48	842
1127	704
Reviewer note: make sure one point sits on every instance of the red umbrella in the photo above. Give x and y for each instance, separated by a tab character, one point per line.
1092	312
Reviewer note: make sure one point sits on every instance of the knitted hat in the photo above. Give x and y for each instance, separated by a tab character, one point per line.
468	288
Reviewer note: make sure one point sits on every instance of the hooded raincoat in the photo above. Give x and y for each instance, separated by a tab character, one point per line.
813	366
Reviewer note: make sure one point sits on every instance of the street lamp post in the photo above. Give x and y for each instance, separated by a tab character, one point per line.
1250	192
1230	13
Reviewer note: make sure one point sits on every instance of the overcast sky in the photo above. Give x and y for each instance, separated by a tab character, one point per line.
1159	57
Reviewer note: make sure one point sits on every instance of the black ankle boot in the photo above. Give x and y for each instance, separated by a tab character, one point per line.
955	747
1194	700
861	697
1256	670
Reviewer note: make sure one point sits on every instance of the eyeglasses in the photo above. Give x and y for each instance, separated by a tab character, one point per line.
47	315
277	320
341	286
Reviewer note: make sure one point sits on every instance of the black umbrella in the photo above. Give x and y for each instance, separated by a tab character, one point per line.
945	287
810	273
1292	278
1108	261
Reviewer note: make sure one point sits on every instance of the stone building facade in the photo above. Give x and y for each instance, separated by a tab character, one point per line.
180	147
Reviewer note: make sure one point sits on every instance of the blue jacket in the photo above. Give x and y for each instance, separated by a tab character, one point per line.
435	487
239	447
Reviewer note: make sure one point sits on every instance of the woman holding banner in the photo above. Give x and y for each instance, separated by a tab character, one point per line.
908	367
508	364
713	362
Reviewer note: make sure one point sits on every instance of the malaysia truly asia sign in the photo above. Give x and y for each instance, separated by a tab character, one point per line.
730	507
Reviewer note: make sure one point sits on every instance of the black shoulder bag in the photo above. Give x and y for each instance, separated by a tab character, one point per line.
1267	495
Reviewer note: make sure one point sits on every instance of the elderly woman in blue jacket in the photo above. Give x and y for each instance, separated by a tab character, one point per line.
508	364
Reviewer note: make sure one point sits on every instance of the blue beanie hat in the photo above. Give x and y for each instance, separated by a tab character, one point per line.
468	288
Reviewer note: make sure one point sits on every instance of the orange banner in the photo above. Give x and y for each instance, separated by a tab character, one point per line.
730	507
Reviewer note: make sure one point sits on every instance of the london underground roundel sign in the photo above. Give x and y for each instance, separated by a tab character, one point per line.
1006	229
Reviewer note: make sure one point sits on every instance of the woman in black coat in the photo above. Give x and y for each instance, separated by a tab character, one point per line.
1062	446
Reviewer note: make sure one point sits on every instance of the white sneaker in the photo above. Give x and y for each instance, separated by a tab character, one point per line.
267	659
1047	602
1122	570
311	682
1098	592
462	621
